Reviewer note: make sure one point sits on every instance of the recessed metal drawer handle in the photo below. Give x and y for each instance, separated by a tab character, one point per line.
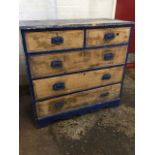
58	86
108	56
58	105
109	36
104	94
56	64
106	77
57	40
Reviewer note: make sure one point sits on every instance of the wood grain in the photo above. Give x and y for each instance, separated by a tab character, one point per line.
77	100
95	37
41	41
75	61
75	82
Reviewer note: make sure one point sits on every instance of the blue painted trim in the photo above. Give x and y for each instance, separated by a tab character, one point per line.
84	44
76	49
45	121
106	46
124	68
62	95
29	78
54	51
77	72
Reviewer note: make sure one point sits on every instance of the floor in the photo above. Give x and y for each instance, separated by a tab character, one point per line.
106	132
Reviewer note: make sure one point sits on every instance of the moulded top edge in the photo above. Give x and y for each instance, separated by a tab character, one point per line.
34	24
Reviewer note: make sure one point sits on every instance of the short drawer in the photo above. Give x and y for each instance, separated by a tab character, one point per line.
53	40
107	36
60	63
78	100
56	86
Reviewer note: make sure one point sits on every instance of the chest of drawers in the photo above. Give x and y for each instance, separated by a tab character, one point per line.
74	66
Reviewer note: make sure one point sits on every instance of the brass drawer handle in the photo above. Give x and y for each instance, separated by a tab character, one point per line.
104	94
108	56
109	36
58	105
56	64
106	77
59	86
57	40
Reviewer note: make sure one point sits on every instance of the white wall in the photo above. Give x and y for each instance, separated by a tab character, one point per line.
61	9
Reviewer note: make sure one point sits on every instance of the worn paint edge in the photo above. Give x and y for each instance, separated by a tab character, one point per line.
74	27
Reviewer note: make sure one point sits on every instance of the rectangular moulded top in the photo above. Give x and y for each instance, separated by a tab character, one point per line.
71	23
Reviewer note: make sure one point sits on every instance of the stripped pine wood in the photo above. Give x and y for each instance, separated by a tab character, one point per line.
77	100
76	82
41	41
95	37
75	61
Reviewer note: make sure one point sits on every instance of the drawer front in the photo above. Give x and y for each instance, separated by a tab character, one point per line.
59	63
100	37
77	100
53	40
76	82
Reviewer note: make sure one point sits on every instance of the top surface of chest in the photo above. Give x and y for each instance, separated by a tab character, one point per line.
41	24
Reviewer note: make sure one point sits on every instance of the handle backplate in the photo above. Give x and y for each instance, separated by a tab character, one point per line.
106	77
59	86
56	64
57	40
109	36
108	56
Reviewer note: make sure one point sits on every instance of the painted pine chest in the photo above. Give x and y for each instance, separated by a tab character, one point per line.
74	66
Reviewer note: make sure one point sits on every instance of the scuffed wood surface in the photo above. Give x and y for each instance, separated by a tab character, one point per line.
76	82
74	101
75	61
41	41
95	37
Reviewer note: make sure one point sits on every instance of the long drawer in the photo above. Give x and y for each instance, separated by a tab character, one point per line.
60	63
74	101
76	82
53	40
107	36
